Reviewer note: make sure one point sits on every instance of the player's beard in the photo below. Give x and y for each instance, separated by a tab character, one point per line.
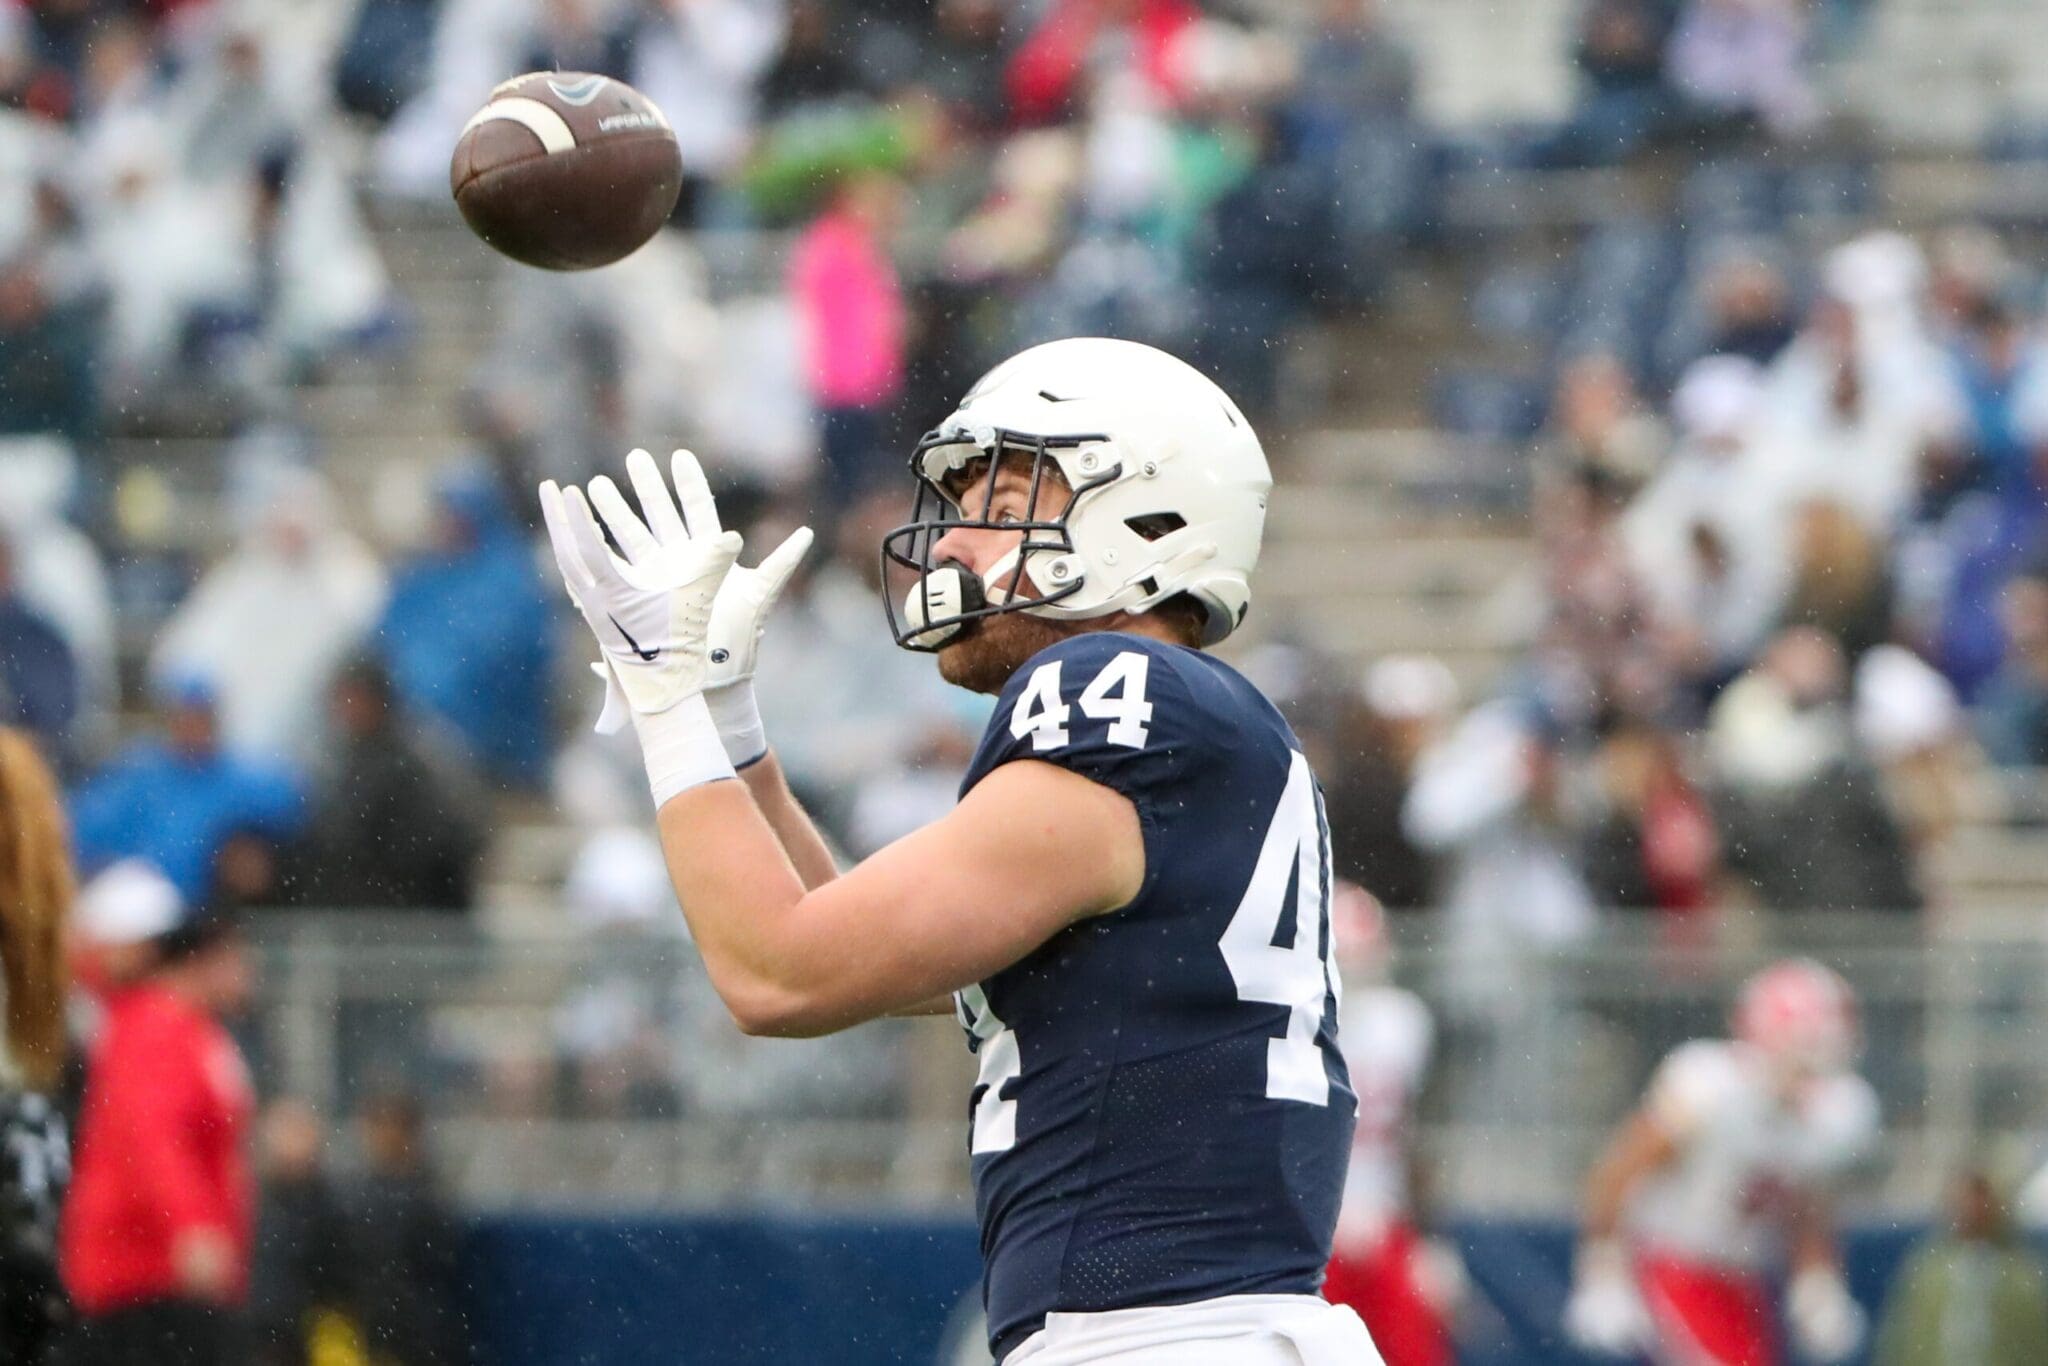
989	649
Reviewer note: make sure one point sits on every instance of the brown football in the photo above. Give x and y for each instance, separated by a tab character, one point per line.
565	170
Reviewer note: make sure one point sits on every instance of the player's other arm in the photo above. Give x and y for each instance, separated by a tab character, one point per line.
794	830
1030	850
808	852
1826	1321
1643	1145
1604	1313
1812	1227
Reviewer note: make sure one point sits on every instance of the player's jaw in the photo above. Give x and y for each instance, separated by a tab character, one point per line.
987	650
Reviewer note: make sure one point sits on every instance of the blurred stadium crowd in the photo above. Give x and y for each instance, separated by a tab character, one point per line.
1785	598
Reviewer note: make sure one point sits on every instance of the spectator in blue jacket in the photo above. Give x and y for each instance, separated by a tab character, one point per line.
38	676
209	821
466	635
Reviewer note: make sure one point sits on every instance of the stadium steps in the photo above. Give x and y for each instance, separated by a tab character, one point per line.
1385	535
385	427
1992	865
531	849
1946	73
1483	61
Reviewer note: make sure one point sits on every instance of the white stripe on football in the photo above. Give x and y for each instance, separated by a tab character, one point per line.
543	122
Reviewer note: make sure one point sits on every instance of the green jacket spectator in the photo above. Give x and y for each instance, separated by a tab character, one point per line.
1977	1297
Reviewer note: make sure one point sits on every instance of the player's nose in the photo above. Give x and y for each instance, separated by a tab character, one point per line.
960	543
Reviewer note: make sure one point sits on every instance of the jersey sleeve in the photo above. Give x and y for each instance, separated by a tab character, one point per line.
1847	1124
1690	1086
1104	705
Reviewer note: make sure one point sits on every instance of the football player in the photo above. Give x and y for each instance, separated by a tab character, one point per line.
1127	911
1723	1174
1403	1285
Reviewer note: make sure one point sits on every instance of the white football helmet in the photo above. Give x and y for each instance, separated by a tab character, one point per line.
1800	1014
1169	493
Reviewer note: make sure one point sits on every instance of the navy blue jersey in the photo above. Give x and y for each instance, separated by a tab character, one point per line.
1162	1114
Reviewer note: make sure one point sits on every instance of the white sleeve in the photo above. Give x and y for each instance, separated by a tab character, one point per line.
1848	1123
1689	1086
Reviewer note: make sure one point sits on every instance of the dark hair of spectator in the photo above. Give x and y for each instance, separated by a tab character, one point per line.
195	936
397	1111
1991	313
366	674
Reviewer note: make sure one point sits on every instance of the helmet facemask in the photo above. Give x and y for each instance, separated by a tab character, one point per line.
947	594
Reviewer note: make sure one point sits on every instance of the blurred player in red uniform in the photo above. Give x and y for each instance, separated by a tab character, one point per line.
1403	1285
1724	1173
155	1240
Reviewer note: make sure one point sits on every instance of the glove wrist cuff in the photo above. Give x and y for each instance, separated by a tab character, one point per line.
738	718
681	749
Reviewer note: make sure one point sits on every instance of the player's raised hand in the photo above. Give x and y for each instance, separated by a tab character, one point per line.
741	613
1826	1322
748	595
1605	1314
650	607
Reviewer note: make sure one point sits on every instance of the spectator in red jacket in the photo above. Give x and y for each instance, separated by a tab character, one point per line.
1045	77
155	1242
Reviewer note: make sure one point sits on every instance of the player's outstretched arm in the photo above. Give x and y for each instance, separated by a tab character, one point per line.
1640	1147
1032	849
739	616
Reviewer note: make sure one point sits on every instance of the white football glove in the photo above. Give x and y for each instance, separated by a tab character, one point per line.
650	609
1825	1319
739	613
1605	1313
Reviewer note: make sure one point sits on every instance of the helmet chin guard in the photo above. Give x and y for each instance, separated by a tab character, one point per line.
1167	484
949	595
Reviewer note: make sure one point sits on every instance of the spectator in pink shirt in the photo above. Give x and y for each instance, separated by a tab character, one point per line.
851	305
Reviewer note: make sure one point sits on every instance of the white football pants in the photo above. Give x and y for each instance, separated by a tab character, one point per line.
1236	1330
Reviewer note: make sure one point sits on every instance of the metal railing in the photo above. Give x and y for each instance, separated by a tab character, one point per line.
599	1069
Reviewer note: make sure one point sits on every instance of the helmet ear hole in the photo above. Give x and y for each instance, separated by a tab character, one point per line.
1154	525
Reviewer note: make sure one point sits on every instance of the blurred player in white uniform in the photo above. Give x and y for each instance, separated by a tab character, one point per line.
1403	1285
1724	1175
